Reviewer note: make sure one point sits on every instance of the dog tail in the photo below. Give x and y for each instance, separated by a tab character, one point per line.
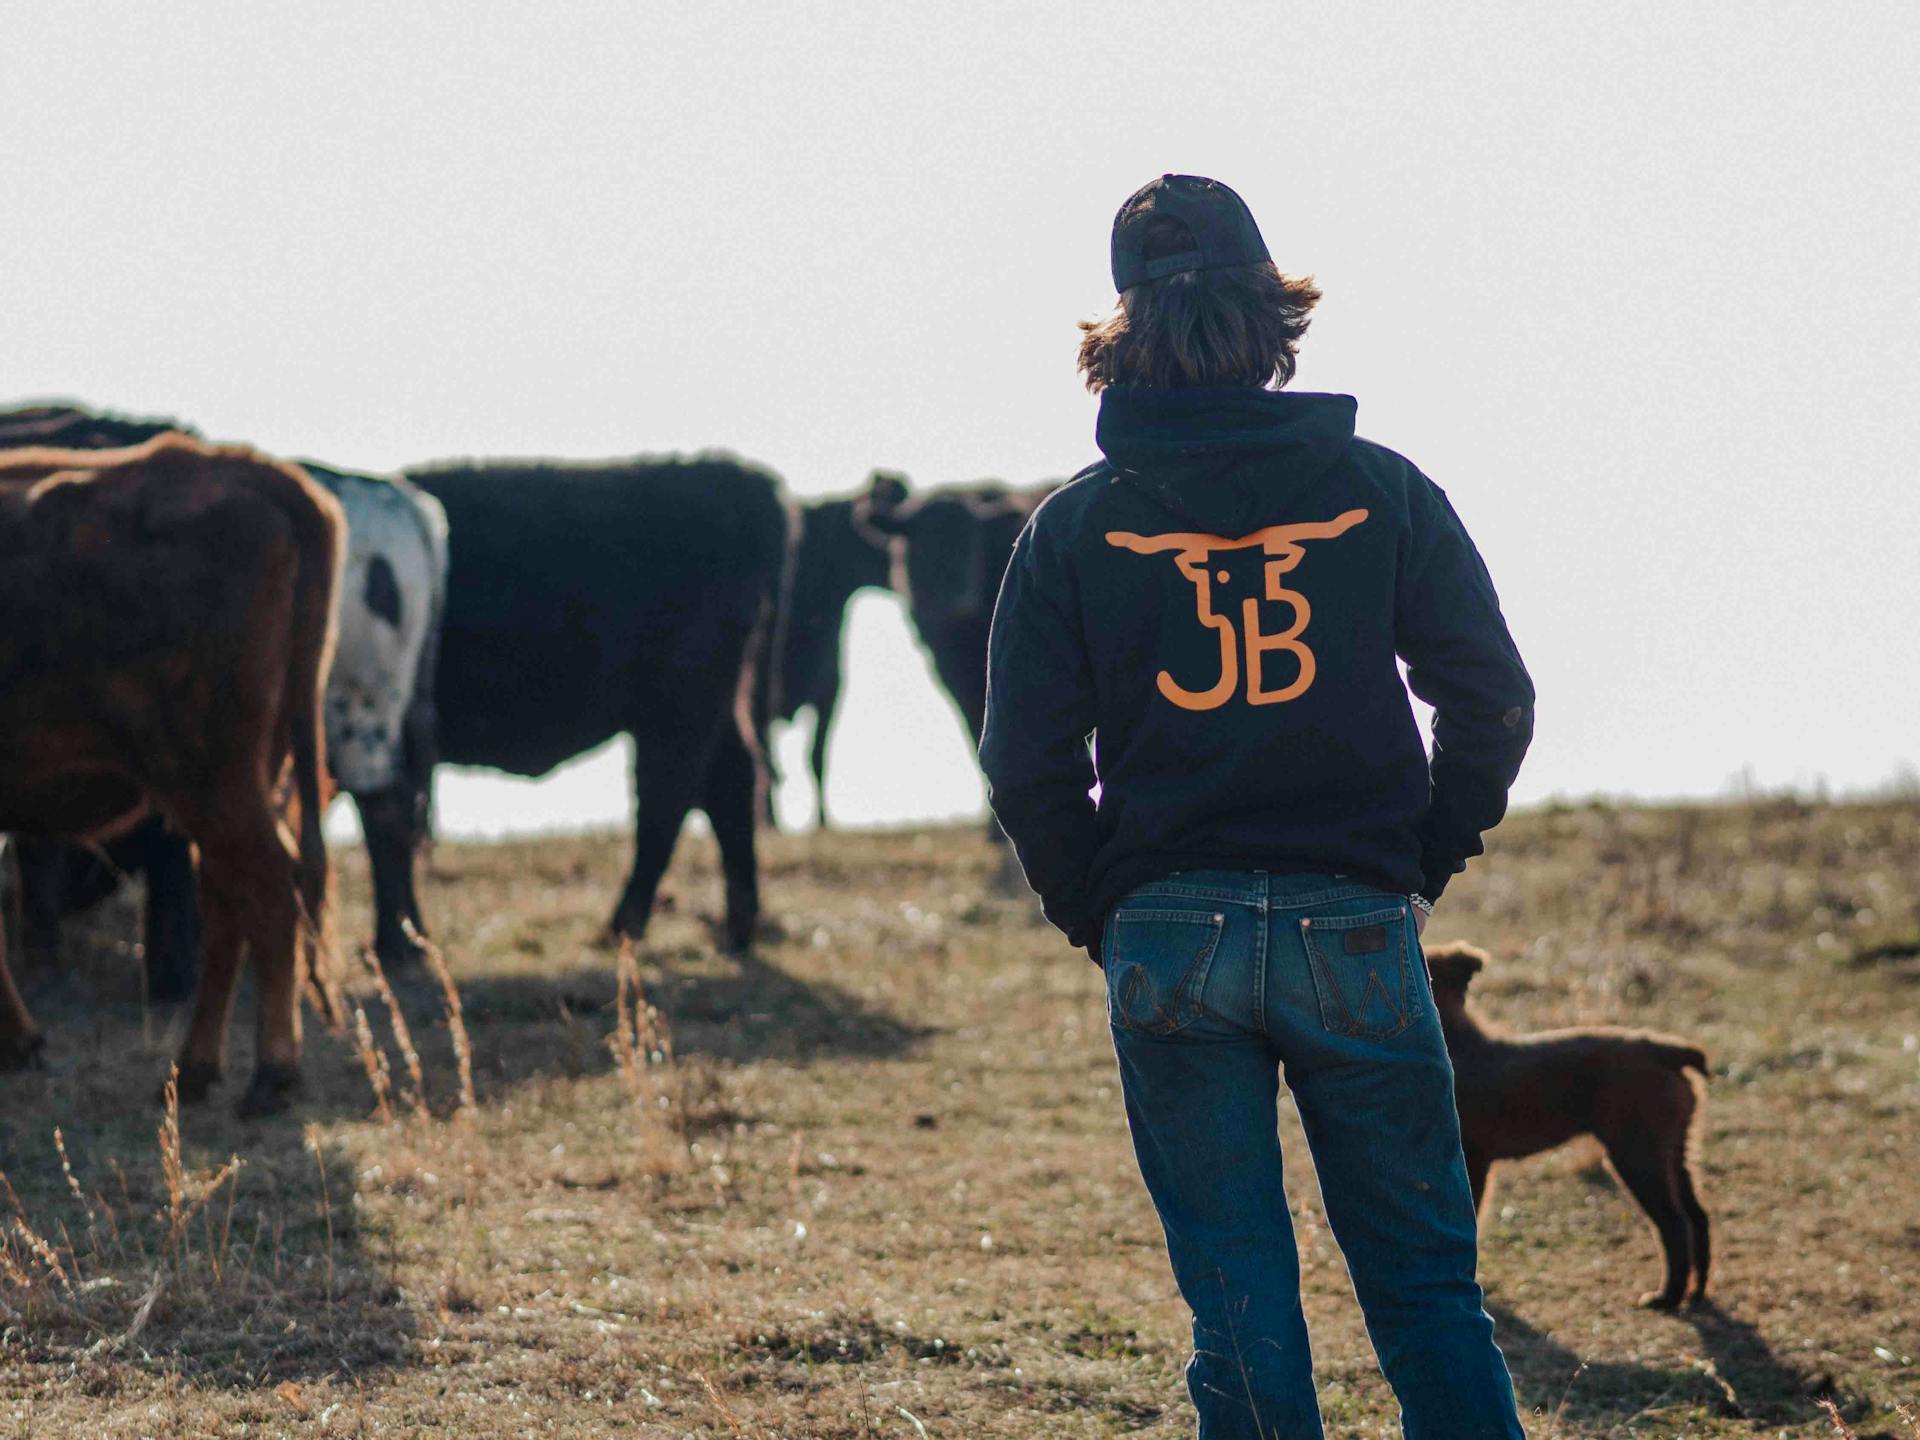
1678	1055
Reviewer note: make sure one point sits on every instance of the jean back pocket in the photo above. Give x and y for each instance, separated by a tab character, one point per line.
1157	963
1360	971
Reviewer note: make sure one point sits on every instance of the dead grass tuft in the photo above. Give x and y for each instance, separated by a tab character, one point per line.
456	1017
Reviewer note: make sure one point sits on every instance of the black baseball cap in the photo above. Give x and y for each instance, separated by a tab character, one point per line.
1222	227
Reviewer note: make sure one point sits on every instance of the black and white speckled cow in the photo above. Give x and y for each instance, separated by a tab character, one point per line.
379	715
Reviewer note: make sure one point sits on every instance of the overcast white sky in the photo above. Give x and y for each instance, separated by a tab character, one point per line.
1636	283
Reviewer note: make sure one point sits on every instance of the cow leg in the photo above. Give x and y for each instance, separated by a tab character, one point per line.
733	782
20	1042
271	924
390	821
961	662
666	782
763	794
823	712
173	916
249	898
275	940
43	872
223	904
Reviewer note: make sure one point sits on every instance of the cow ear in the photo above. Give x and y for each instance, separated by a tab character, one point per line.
882	512
886	490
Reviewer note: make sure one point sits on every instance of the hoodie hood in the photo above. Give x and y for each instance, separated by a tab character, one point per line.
1222	458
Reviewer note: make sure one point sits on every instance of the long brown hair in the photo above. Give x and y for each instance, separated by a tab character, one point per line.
1236	325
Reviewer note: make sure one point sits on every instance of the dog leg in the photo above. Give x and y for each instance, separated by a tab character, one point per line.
1696	1226
1650	1181
1478	1166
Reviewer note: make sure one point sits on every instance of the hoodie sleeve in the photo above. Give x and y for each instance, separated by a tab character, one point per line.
1034	747
1462	662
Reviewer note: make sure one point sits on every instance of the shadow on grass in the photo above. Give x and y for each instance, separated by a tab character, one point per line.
736	1010
1738	1376
253	1276
107	1050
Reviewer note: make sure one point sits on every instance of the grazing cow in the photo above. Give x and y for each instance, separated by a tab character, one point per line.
833	559
379	717
168	623
587	600
950	548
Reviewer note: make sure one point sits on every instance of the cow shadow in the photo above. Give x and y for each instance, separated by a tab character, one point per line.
187	1262
555	1023
1737	1375
544	1022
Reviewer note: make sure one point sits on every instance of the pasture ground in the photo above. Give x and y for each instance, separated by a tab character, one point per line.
882	1185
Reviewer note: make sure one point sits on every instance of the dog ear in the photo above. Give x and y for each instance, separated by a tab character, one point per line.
1456	964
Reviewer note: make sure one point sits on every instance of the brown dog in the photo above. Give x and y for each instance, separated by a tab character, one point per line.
1629	1089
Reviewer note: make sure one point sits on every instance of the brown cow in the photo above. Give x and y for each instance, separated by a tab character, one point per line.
166	625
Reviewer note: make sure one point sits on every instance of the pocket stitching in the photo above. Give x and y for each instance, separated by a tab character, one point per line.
1326	984
1192	980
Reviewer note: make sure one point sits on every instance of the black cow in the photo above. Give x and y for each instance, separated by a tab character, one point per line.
834	558
951	548
587	600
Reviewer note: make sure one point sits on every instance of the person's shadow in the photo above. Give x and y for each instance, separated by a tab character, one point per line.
1738	1376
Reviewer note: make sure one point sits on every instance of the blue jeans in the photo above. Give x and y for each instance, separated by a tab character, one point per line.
1216	982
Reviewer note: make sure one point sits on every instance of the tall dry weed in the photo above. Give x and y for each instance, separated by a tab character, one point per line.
642	1046
373	1060
402	1033
456	1018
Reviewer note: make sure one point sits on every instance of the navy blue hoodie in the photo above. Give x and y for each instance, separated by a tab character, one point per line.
1207	624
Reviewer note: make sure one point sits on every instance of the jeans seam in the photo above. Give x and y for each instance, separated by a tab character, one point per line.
1261	932
1227	896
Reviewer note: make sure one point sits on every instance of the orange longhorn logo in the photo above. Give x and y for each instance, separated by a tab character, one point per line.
1282	545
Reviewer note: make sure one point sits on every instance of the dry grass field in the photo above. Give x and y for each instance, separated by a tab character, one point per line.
875	1180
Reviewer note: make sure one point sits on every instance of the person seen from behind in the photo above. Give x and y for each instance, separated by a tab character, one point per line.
1207	625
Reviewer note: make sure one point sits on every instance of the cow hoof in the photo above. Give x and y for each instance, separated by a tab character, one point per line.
170	989
196	1081
626	925
22	1052
1659	1300
400	956
274	1088
38	959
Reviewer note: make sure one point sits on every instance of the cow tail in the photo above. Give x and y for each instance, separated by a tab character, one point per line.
772	692
762	671
320	529
1678	1055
